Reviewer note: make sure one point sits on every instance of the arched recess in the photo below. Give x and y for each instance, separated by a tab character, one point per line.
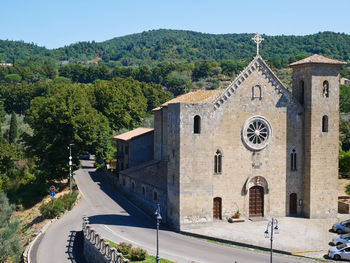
257	181
256	92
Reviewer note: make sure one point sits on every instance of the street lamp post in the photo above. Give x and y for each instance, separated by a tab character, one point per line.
159	218
70	167
274	229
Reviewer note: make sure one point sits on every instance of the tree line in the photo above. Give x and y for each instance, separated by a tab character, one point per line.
180	47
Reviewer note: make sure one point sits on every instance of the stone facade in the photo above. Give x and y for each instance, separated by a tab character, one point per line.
134	148
254	147
96	249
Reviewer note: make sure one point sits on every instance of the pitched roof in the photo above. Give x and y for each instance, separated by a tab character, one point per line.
259	64
199	96
151	172
317	59
133	133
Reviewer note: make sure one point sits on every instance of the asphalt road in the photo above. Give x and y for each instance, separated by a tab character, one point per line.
117	219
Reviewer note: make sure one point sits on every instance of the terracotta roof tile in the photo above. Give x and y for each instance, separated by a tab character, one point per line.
133	133
317	59
199	96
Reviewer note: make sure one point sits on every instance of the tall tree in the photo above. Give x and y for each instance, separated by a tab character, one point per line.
65	117
13	128
121	101
2	116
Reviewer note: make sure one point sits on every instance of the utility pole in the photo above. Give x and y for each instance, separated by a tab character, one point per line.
70	167
274	228
158	218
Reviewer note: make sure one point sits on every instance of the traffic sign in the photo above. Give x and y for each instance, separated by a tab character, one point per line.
52	193
52	188
52	198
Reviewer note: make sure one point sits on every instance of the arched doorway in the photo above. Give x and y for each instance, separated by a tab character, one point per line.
217	208
256	201
293	204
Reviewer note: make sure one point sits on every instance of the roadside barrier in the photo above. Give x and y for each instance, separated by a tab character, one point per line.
96	249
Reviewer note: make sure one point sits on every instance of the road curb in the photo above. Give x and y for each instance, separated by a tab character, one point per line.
235	243
26	253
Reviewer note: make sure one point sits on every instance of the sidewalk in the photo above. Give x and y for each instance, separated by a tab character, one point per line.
301	236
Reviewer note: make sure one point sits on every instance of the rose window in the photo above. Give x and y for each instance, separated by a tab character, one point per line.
256	133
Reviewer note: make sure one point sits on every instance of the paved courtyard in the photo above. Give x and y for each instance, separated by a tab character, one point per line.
306	237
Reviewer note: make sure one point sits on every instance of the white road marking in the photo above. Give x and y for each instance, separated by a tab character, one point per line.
129	240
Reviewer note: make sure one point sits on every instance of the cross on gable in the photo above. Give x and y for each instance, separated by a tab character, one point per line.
257	39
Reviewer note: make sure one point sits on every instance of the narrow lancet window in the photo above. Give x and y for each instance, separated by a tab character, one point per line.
325	123
218	162
197	124
326	89
293	160
256	92
302	90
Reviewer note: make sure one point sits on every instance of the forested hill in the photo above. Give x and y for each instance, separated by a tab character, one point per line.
155	46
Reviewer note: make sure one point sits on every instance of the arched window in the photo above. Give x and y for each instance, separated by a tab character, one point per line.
197	124
143	191
325	123
256	92
123	181
326	88
133	186
301	94
218	162
155	196
293	160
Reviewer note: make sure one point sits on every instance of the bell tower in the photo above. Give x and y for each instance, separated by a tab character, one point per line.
316	87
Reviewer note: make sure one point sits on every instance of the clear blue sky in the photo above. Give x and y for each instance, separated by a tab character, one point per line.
55	23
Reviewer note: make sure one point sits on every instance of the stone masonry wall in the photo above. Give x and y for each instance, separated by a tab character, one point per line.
321	148
221	129
96	249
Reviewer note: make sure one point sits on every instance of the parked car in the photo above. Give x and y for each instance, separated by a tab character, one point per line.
342	227
339	252
342	239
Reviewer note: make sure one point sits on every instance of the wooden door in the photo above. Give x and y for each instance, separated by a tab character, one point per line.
217	208
256	201
293	204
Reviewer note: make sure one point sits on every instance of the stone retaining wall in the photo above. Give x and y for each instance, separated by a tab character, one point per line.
96	249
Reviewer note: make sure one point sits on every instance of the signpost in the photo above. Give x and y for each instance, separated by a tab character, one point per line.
52	194
52	188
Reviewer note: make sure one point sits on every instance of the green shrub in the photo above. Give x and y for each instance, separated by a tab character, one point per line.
344	162
137	254
51	210
347	189
69	200
123	248
61	204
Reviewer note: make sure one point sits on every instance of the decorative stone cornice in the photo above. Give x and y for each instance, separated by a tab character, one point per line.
256	64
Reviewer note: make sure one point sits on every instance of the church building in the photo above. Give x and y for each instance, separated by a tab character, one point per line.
254	147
